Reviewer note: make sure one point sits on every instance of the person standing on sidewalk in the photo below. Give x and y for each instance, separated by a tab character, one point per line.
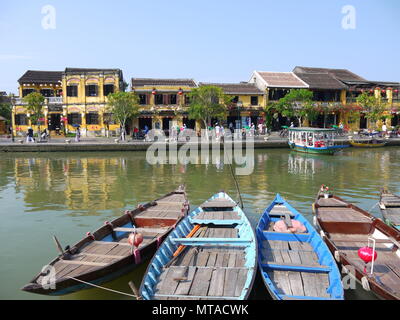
78	134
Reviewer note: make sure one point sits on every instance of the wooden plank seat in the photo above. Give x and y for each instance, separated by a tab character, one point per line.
142	230
112	243
83	254
342	215
217	215
169	203
331	202
84	263
219	203
294	267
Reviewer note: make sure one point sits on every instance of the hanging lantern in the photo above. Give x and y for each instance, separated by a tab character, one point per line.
383	91
154	92
371	91
180	92
367	254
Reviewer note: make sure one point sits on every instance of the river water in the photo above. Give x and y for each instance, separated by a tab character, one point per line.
68	194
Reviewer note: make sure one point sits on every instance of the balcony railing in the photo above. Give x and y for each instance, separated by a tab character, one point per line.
49	100
55	100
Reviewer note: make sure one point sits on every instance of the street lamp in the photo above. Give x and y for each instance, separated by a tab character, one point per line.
239	105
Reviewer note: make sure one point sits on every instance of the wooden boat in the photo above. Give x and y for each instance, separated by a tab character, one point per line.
347	228
368	144
106	254
314	140
390	208
210	255
295	266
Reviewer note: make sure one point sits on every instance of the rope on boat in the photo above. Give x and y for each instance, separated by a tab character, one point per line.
369	211
103	288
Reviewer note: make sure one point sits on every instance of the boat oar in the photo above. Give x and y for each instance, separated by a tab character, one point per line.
58	245
135	291
190	235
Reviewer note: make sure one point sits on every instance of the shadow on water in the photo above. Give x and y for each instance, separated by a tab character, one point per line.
69	194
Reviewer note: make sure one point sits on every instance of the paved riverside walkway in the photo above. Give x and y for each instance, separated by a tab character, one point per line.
63	144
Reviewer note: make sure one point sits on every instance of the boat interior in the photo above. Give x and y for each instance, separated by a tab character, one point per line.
109	243
294	263
215	262
349	228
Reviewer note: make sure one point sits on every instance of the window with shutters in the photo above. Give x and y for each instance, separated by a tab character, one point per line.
158	99
75	118
92	90
92	118
21	120
142	99
108	88
72	91
254	101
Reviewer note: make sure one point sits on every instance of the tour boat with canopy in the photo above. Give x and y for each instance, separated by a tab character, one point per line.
314	140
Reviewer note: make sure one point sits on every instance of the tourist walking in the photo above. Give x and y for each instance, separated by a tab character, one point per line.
78	134
29	137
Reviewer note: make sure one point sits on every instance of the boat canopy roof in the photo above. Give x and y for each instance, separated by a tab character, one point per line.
307	129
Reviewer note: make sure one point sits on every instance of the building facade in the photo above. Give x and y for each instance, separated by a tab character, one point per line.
74	97
163	103
247	105
77	97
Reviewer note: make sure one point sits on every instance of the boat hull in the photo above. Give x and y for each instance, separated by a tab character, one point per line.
365	226
273	267
367	145
325	150
206	235
104	237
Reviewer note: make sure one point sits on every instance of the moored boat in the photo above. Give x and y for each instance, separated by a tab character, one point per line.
368	144
350	231
294	262
389	204
109	251
210	255
314	140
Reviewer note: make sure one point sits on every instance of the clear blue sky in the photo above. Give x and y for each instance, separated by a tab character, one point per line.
218	41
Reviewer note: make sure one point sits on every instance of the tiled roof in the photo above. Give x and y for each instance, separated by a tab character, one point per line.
141	82
282	80
32	76
321	81
236	88
88	70
341	74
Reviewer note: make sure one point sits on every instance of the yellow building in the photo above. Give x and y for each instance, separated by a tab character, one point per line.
85	99
74	97
248	103
163	102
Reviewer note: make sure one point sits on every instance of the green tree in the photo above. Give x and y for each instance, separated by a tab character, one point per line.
35	102
123	106
297	103
374	107
6	111
207	102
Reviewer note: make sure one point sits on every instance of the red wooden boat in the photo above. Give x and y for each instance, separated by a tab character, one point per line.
106	253
346	228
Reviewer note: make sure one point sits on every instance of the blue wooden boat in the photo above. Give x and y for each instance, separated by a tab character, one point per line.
211	254
295	266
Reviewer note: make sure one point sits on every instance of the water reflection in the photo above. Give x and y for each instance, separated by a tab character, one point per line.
96	183
70	194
